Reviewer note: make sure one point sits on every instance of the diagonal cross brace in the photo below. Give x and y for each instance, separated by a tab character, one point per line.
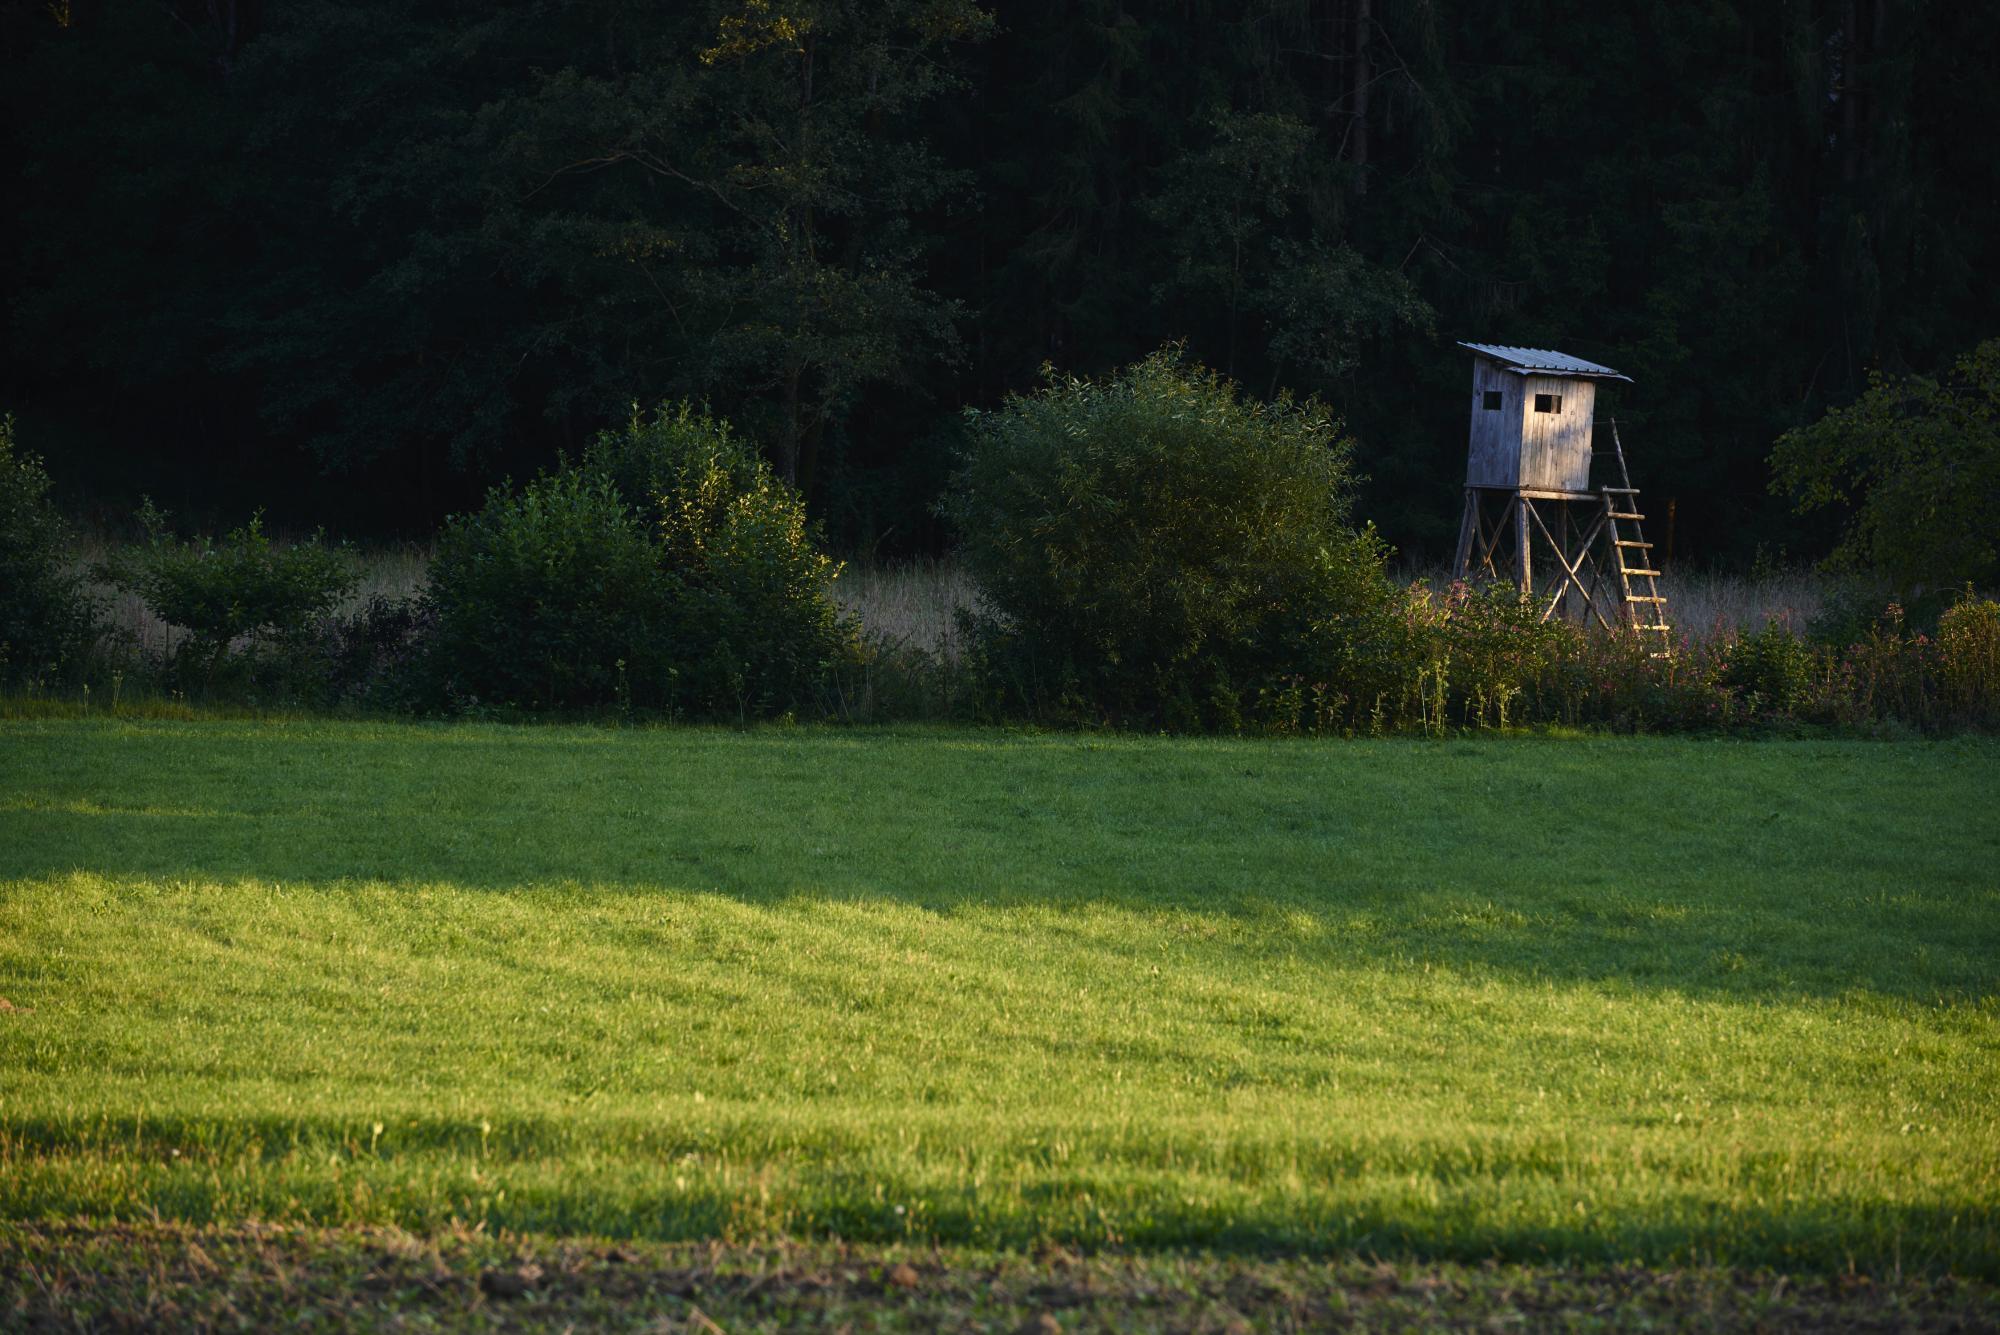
1570	576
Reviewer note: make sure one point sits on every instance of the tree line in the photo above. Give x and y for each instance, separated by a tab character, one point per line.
362	259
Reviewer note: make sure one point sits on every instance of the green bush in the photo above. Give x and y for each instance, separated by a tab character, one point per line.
1493	659
242	592
1915	465
670	571
1772	670
48	620
757	629
1157	550
753	592
549	598
661	455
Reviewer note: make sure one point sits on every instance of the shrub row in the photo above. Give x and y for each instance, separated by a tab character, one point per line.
667	573
1153	550
1486	660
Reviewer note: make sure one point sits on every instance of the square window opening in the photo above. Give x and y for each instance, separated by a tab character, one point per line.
1490	401
1548	403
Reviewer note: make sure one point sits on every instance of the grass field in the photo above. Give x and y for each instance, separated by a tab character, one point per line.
1581	1001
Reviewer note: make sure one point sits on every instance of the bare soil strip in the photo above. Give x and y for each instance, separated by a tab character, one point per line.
85	1277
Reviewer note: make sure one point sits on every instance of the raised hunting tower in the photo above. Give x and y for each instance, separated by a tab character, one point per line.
1532	515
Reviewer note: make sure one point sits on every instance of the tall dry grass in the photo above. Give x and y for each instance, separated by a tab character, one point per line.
392	572
1705	604
916	604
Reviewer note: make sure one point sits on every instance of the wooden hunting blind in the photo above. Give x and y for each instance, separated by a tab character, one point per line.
1528	489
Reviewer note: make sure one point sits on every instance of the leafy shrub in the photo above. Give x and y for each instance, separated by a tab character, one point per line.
762	631
1968	641
47	618
549	598
1916	462
243	588
659	455
670	571
757	629
1159	551
1773	669
1494	658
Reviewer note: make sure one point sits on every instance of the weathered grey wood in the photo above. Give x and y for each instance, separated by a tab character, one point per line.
1555	446
1570	576
1514	446
1493	454
1519	458
1527	575
1461	563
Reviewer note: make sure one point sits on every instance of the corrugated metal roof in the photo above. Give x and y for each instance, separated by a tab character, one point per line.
1544	361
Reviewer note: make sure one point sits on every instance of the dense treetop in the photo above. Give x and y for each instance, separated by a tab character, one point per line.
360	259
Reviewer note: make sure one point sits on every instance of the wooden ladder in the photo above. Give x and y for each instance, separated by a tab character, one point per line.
1645	610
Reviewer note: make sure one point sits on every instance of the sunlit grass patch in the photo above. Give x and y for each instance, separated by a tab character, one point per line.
1609	999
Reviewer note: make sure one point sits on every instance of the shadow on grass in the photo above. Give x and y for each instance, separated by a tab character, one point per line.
539	1176
1779	869
1749	872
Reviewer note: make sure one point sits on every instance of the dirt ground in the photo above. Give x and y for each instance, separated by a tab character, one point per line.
160	1277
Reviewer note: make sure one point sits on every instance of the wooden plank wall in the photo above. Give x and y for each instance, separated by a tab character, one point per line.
1555	447
1493	458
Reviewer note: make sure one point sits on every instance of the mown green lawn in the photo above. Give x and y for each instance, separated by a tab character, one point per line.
1591	999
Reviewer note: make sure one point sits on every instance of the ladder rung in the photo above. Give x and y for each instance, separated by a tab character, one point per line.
1619	491
1622	542
1644	598
1626	514
1662	626
1623	571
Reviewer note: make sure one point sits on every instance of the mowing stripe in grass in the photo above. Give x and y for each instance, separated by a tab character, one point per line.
992	989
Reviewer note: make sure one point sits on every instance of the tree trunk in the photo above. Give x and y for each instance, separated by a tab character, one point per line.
788	441
1357	138
1850	53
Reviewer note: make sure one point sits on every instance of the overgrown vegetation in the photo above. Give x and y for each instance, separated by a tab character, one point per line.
1151	550
1914	467
1154	549
669	572
241	593
48	620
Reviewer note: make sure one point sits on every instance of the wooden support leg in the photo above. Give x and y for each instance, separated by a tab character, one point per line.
1525	565
1461	564
1562	554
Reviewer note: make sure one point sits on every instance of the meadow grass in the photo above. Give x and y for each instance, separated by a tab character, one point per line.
1595	999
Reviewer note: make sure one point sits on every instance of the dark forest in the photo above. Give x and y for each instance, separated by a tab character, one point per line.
355	262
